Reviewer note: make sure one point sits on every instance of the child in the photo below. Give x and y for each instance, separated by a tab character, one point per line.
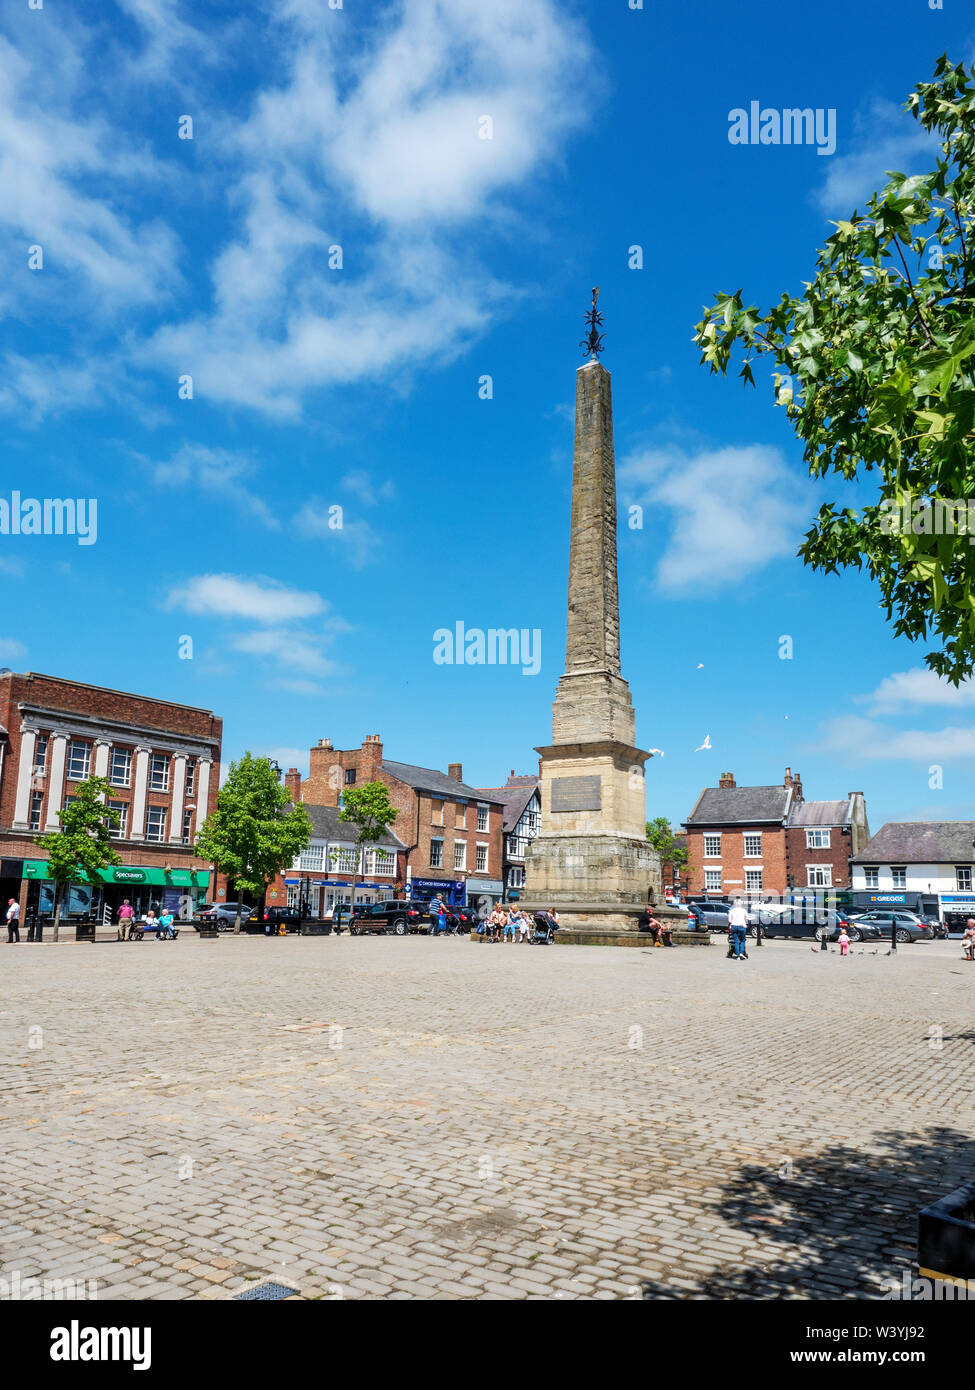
844	943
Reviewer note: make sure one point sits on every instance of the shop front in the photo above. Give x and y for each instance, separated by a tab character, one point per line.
316	897
181	891
956	908
452	891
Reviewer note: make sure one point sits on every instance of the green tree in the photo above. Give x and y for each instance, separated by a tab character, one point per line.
368	808
876	372
664	840
82	845
255	832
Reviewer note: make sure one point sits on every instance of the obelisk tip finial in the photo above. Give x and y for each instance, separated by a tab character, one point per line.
592	343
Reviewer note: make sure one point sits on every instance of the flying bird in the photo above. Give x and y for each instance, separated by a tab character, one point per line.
700	665
658	751
705	745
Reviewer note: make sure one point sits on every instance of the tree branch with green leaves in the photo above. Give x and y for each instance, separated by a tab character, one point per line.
873	366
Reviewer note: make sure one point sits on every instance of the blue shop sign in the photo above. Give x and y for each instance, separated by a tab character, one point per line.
887	898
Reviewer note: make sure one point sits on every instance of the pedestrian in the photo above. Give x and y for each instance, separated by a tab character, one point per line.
13	921
553	918
844	941
738	923
968	940
125	915
439	911
501	925
150	923
524	927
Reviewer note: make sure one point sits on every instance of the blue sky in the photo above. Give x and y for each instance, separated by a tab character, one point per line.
317	387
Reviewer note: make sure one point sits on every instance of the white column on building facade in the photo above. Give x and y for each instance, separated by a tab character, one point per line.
137	826
102	747
202	792
55	781
25	774
179	784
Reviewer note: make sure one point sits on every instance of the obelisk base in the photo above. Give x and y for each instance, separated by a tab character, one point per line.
597	883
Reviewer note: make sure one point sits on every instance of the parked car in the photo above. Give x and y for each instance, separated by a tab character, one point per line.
339	916
795	922
393	915
271	919
907	925
223	915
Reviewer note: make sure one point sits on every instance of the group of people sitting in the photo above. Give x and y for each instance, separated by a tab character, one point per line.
518	925
129	929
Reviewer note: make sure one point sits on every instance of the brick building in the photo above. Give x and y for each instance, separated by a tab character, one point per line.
451	834
751	841
162	761
331	868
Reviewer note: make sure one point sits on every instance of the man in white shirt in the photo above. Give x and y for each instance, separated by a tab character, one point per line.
13	920
738	923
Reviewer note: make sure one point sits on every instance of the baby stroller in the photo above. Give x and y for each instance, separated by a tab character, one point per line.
543	933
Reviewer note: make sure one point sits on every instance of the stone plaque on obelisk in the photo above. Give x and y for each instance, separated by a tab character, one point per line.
592	860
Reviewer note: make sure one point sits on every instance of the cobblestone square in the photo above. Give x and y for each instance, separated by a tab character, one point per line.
415	1118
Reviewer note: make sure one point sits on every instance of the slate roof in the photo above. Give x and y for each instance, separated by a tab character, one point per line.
740	805
428	779
921	842
327	826
821	813
515	800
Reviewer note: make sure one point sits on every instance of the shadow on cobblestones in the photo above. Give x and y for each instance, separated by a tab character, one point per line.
846	1220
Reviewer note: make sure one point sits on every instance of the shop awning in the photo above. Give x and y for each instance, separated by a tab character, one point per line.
130	873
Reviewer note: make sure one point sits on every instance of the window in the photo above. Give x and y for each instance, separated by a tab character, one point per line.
120	767
480	862
190	776
817	839
753	880
712	846
40	753
294	896
753	846
36	801
436	854
159	772
898	875
516	878
712	880
350	776
118	832
311	858
819	876
482	818
156	823
79	761
344	859
460	854
871	877
381	862
188	826
461	822
963	878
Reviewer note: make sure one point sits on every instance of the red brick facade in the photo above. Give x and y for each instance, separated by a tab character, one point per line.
163	760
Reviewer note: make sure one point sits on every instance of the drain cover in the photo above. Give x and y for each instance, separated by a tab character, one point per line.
267	1290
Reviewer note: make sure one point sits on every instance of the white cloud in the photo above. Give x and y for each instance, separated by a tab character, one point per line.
233	596
11	649
218	471
294	649
885	138
367	489
316	520
731	510
919	686
859	740
361	136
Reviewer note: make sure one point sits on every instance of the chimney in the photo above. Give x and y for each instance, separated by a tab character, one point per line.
797	787
372	756
787	779
456	771
292	780
727	779
325	743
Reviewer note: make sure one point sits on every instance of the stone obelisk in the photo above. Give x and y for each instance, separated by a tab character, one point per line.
592	860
